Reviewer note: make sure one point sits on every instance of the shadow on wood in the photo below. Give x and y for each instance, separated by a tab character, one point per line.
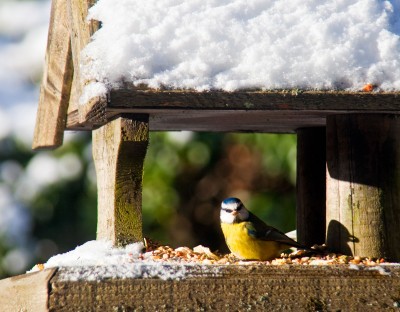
339	238
119	150
363	183
311	185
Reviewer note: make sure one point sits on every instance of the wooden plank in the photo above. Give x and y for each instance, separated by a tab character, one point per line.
230	288
130	97
311	186
211	120
73	100
275	121
81	32
56	82
28	292
280	112
119	149
363	182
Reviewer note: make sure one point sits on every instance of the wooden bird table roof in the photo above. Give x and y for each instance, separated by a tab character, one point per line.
280	111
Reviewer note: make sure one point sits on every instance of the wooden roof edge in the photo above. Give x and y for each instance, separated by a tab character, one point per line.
131	97
193	110
130	86
162	104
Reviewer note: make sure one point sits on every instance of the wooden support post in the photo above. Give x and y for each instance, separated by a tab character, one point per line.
119	150
311	177
363	185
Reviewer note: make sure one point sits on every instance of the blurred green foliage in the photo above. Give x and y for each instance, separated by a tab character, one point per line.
186	176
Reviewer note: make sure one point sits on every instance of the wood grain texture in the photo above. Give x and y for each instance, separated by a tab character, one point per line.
311	186
130	97
28	292
235	288
254	111
119	150
56	82
363	182
81	32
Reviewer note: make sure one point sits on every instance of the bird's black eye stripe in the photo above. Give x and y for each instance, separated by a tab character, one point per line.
239	207
227	210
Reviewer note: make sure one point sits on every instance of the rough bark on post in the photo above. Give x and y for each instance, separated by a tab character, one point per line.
119	150
363	183
311	177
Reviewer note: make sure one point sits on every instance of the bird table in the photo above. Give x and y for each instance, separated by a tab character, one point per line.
348	144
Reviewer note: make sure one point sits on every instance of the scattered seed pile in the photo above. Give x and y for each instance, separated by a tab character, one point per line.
318	255
102	253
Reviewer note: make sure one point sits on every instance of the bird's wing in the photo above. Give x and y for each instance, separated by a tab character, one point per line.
258	229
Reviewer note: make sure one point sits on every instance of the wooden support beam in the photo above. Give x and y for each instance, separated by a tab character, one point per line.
311	177
119	150
56	82
363	183
243	110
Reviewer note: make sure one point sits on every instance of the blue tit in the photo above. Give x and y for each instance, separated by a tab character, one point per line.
248	237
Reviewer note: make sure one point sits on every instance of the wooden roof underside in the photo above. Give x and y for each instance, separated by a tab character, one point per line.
249	111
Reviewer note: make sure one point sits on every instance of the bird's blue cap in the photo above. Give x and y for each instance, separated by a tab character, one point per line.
231	200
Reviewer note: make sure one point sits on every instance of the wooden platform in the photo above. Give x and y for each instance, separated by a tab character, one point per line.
206	288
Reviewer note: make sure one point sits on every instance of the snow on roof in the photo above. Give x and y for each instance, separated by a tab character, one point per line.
237	44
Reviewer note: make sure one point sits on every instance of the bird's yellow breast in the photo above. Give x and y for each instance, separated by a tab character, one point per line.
243	246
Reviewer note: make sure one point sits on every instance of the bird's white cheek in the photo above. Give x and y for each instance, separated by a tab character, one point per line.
227	217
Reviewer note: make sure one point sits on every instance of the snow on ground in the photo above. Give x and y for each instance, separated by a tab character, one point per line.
229	45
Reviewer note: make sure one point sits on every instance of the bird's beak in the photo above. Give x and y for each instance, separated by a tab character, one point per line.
235	213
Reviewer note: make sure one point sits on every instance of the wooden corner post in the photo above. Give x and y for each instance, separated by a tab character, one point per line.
311	186
363	185
119	150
